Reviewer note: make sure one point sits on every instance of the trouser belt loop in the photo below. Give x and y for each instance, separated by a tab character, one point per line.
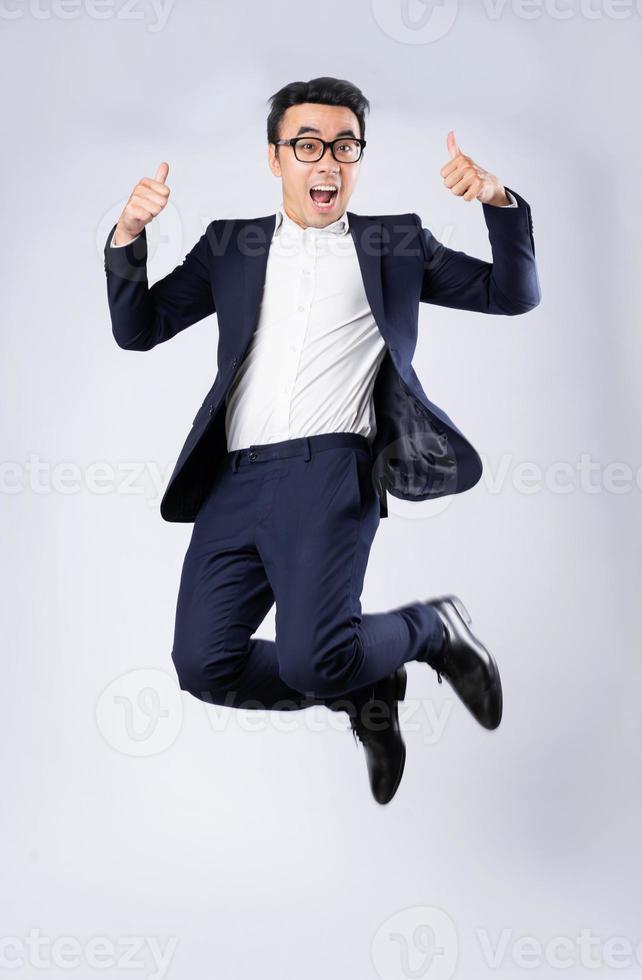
306	449
235	460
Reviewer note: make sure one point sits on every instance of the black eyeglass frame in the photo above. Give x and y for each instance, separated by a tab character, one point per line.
326	143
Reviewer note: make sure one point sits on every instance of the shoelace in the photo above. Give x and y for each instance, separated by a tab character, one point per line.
444	657
356	733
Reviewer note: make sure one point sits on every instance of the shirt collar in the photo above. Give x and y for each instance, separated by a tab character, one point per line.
338	227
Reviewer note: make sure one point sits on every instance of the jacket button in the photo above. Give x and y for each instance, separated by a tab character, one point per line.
210	408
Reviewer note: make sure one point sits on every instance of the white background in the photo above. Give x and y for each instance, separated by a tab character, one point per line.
131	809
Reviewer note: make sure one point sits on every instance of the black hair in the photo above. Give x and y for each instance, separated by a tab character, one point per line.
325	90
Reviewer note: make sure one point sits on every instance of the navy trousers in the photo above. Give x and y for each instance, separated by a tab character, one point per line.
290	522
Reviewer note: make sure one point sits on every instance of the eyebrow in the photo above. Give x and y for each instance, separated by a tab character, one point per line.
311	129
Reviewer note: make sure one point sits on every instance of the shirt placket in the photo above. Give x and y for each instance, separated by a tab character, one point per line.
303	295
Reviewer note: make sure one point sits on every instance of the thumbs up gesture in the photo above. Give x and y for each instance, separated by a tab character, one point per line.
467	179
148	198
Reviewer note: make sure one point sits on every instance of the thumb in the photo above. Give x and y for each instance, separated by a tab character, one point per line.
451	143
161	173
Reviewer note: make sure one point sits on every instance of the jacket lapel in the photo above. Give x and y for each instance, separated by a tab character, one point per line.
254	246
367	235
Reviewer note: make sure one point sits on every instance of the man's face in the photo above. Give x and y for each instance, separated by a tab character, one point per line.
326	122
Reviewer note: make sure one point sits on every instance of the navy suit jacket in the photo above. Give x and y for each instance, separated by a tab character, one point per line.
418	451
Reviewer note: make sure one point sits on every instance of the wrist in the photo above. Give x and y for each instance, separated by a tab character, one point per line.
121	237
500	198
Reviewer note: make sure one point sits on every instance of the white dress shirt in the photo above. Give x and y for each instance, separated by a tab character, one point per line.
314	355
313	358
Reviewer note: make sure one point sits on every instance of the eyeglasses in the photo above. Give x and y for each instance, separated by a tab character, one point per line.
308	149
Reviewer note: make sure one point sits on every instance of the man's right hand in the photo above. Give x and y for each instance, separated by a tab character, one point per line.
148	198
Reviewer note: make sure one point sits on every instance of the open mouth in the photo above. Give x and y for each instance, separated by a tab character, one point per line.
324	196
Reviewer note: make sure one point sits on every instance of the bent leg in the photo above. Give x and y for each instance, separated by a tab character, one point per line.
223	597
315	549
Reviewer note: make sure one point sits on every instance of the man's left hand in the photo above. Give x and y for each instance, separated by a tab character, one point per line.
467	179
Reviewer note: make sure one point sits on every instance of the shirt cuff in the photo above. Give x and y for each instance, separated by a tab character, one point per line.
511	198
112	244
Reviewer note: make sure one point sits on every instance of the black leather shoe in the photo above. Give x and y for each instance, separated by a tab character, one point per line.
466	663
376	726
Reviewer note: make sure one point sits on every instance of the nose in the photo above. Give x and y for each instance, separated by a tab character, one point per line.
327	156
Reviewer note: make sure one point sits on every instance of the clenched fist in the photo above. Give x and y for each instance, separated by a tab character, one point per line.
147	199
467	179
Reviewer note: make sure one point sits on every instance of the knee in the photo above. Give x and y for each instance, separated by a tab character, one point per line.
198	676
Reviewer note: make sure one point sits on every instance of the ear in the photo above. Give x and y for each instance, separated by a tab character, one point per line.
273	160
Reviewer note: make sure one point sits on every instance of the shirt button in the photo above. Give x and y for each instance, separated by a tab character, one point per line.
301	309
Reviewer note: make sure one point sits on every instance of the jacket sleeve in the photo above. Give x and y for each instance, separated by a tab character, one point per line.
507	285
143	316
